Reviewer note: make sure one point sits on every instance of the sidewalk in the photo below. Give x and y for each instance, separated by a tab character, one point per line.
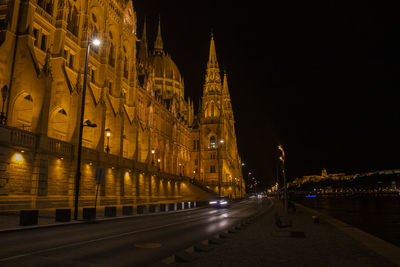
305	243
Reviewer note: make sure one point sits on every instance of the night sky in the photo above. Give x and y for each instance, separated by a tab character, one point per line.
319	77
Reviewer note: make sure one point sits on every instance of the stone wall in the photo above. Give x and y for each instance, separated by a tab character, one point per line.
43	176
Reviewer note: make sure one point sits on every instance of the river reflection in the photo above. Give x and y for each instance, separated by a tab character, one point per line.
377	216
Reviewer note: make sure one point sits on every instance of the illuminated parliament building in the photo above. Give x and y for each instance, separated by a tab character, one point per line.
137	123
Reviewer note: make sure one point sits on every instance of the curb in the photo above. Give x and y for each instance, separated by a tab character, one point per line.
191	253
73	222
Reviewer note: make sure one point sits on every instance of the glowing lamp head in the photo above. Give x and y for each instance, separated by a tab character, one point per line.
96	42
159	160
108	134
152	151
17	158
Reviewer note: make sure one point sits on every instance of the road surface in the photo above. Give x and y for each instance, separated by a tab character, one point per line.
135	241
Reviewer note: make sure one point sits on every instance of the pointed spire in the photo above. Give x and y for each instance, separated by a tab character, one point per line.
159	45
213	78
143	51
144	37
212	59
225	89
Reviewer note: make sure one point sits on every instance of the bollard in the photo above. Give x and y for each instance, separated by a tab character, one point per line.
110	211
63	215
89	213
180	205
141	209
28	217
164	207
127	210
172	206
153	208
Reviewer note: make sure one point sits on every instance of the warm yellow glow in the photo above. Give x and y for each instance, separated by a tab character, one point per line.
108	134
159	160
152	151
22	151
96	42
17	158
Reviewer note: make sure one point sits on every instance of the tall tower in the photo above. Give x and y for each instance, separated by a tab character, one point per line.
211	123
220	166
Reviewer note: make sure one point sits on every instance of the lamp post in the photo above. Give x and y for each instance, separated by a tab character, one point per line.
94	42
108	134
282	158
4	91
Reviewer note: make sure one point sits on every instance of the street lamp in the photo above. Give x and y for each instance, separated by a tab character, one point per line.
282	159
95	42
108	134
4	91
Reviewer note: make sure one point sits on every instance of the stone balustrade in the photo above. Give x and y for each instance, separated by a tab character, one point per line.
17	137
60	148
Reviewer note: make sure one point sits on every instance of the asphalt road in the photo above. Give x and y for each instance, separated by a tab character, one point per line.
135	241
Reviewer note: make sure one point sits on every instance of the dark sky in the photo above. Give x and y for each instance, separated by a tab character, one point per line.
319	77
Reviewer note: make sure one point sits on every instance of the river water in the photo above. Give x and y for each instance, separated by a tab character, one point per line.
377	216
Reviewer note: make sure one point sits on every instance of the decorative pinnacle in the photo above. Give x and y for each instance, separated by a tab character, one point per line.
159	45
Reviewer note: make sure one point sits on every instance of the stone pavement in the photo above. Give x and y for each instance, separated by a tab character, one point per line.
305	243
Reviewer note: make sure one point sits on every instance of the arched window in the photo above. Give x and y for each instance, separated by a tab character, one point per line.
212	142
72	22
23	111
125	68
58	124
111	56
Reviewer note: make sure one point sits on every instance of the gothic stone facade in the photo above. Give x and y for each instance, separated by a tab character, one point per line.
153	147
